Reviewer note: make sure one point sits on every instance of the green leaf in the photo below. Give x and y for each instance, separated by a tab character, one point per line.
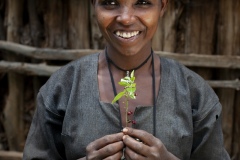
123	83
132	96
131	89
132	79
124	80
127	79
134	85
118	96
132	74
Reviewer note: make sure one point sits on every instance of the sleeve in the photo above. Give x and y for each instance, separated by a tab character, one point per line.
208	137
44	137
207	141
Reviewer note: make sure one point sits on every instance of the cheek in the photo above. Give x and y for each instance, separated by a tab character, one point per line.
150	20
151	24
103	20
100	21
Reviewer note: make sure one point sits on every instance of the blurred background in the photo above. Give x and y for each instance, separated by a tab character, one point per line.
39	36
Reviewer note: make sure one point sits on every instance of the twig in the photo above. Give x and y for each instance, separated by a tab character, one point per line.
191	60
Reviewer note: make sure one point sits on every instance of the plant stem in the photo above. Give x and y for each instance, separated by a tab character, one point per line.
126	111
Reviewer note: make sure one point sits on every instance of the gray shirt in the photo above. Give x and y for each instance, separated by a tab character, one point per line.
70	115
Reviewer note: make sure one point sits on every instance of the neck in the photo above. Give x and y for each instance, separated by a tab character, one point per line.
131	69
133	61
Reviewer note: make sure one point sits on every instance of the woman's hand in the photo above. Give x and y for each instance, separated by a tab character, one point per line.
145	147
107	147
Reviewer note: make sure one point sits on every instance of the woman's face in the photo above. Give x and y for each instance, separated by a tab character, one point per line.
128	25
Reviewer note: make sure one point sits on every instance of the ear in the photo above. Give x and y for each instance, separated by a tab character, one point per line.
163	7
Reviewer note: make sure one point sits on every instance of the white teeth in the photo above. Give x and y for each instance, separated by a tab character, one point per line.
127	34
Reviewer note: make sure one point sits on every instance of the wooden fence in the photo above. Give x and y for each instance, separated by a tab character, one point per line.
39	36
190	60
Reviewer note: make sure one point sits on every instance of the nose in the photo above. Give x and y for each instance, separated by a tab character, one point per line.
126	16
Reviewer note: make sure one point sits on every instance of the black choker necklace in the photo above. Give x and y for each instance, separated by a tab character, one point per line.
153	85
125	70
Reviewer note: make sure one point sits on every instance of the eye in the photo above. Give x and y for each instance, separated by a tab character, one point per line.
143	2
109	3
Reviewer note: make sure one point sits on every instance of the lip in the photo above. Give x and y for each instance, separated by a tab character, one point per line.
128	34
125	39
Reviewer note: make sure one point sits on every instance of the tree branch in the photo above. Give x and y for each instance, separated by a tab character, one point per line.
45	53
27	68
46	70
192	60
11	155
234	84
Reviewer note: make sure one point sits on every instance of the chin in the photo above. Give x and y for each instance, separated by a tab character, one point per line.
127	50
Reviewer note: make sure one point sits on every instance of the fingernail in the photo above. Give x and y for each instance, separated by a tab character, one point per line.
125	130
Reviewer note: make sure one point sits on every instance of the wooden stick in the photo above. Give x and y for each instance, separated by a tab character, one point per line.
45	53
11	155
234	84
27	68
211	61
46	70
192	60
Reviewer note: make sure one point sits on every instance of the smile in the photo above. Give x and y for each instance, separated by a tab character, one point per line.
127	34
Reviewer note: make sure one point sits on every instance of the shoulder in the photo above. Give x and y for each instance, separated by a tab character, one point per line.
73	69
183	74
178	69
69	70
57	89
76	65
203	98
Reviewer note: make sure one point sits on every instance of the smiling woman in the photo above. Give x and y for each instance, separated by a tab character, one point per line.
173	114
126	26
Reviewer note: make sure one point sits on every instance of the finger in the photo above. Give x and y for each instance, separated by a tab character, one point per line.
115	156
102	142
143	136
131	155
110	150
135	146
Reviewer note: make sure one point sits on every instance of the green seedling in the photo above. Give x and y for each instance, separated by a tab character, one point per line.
128	91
